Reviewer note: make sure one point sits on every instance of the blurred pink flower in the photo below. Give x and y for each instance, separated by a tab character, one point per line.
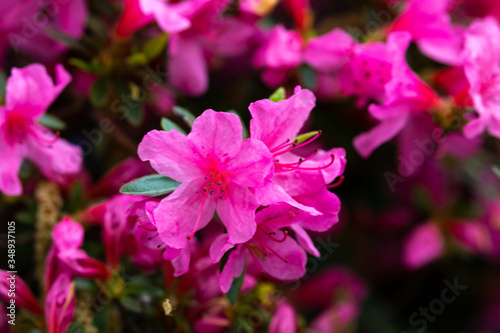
423	245
281	53
216	170
29	93
405	94
284	319
482	69
431	28
60	304
65	257
23	296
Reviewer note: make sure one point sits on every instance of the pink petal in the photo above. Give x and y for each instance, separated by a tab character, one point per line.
305	240
237	212
218	135
232	269
60	304
170	154
275	122
176	215
187	66
67	234
10	184
253	166
423	245
219	247
284	319
23	295
367	142
328	52
31	89
81	265
168	19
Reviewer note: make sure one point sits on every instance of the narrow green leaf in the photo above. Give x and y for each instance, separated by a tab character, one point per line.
186	116
150	185
278	95
86	66
155	46
234	292
3	83
99	92
168	125
50	121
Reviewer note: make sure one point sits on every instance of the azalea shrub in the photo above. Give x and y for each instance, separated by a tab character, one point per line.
250	166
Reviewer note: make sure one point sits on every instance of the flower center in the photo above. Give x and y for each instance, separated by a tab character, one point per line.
18	127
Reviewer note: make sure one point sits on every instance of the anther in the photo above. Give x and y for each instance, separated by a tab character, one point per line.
220	197
211	192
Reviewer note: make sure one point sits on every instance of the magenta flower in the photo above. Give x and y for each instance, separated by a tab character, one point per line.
60	304
284	319
216	170
29	92
24	297
431	28
171	17
65	257
271	249
405	95
281	53
117	226
424	244
482	69
299	181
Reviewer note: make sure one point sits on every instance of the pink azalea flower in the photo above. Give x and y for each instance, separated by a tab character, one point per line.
473	236
60	304
338	293
284	319
281	53
405	94
117	226
171	17
29	92
24	297
300	182
65	257
270	248
431	28
26	23
482	57
424	245
216	170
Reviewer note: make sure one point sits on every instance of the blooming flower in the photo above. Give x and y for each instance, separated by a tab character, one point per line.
216	170
482	57
29	92
405	95
271	249
299	181
65	257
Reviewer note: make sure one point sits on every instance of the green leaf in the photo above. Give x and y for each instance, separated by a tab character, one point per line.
308	77
76	197
50	121
137	59
150	185
132	105
278	95
131	303
155	46
234	292
168	125
187	116
99	92
496	170
3	83
86	66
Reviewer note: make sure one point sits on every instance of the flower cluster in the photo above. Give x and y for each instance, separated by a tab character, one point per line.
129	204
